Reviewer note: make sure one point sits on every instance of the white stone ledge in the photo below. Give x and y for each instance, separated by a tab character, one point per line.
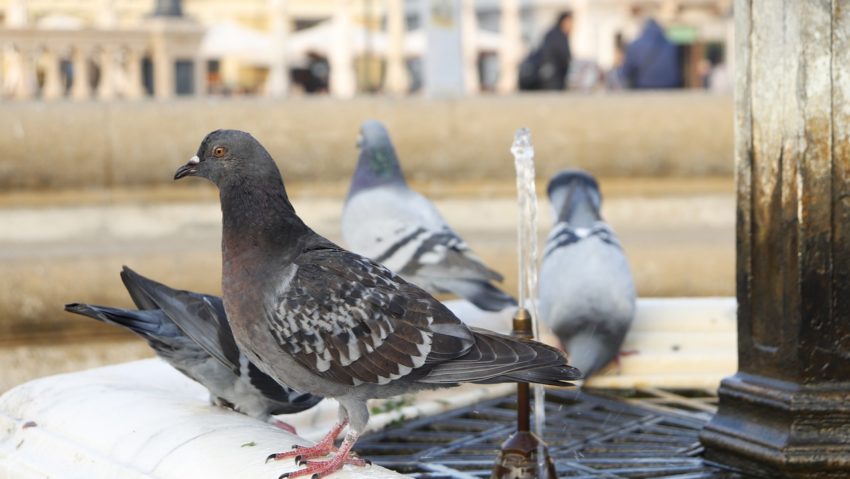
136	420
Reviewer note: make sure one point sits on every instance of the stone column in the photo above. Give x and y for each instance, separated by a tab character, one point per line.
135	82
396	81
25	89
277	83
17	13
442	64
342	81
786	413
107	18
80	88
163	74
200	67
53	88
510	52
469	39
106	81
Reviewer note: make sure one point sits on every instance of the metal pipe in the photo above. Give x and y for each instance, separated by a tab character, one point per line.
523	423
521	328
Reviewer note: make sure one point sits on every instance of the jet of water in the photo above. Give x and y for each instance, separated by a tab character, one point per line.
523	152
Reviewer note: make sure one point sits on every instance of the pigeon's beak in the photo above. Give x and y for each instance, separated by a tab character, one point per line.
189	169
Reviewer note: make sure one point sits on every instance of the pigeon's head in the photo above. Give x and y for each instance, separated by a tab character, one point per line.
575	198
228	154
378	163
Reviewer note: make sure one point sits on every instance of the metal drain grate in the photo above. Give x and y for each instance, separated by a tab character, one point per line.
610	434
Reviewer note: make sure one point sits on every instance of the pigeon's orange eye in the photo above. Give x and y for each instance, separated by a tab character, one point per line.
218	151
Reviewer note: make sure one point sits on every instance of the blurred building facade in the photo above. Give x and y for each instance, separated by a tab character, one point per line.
104	49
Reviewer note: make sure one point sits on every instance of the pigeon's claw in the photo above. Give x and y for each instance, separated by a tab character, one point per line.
319	469
302	453
351	461
321	449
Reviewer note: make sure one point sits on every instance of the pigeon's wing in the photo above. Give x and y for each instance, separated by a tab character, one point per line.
444	254
404	231
201	317
351	320
563	235
287	401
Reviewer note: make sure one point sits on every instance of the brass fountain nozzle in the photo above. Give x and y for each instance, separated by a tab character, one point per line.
522	324
518	457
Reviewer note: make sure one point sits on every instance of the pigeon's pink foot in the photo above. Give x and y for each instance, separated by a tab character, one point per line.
351	461
623	354
319	469
282	425
321	449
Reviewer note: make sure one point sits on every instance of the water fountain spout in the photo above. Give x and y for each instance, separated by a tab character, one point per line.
524	454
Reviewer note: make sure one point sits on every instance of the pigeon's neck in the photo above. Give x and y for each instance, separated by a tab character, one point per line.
575	206
258	214
579	215
374	169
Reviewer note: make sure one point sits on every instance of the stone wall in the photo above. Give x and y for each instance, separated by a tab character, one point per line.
59	145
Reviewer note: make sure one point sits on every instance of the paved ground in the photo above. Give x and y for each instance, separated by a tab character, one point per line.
69	246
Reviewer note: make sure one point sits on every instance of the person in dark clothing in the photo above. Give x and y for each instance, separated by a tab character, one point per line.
555	54
652	61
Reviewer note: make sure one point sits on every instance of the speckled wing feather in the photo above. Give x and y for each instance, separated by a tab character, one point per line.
351	320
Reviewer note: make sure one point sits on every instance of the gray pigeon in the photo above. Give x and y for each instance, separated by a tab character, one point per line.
324	320
215	362
386	221
587	295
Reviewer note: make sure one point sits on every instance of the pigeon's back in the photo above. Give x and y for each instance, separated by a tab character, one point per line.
587	295
378	219
402	230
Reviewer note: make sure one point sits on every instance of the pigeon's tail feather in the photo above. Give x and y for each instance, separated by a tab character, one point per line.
592	352
202	318
482	294
497	358
549	376
140	322
136	289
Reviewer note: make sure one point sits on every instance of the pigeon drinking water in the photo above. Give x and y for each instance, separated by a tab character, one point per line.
587	296
212	359
324	320
388	222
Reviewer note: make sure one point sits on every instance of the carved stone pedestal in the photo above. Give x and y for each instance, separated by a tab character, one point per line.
787	411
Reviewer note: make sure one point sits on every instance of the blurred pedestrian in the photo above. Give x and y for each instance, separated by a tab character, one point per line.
717	78
614	79
652	61
547	67
555	54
